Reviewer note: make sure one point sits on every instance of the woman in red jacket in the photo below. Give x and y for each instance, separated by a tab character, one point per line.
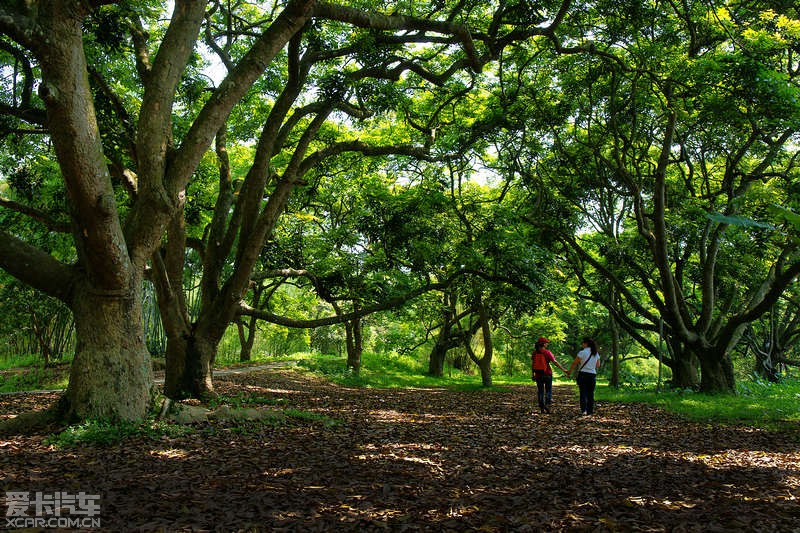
542	374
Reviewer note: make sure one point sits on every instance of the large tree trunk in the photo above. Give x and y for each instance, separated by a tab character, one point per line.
716	373
446	339
439	353
485	362
111	375
190	363
175	386
684	374
198	376
246	339
168	266
485	366
684	366
191	347
355	345
41	338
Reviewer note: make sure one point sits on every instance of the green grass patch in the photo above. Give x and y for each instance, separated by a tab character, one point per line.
311	417
19	361
31	360
105	433
244	400
382	371
34	378
256	359
27	372
757	403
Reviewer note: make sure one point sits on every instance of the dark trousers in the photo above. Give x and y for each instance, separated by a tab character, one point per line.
544	389
586	385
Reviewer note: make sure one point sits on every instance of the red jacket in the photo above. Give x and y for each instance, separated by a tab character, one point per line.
548	358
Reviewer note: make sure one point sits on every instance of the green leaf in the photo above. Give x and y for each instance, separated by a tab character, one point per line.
739	221
786	215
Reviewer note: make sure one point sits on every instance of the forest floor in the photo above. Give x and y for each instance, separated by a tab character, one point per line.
420	460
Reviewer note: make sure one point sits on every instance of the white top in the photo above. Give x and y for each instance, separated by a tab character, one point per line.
591	366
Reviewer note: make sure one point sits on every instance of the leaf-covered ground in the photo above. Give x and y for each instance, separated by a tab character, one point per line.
423	459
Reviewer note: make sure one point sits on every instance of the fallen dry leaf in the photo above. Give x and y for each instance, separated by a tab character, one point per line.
427	459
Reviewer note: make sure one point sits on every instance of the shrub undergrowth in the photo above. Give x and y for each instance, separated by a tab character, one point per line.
104	433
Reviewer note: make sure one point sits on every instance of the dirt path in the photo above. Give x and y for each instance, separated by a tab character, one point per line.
425	460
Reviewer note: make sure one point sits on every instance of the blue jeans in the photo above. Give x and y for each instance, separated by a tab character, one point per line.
586	385
544	389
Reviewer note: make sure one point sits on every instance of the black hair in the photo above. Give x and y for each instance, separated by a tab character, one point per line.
591	344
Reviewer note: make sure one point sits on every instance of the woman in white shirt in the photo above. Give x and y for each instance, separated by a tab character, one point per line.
587	362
